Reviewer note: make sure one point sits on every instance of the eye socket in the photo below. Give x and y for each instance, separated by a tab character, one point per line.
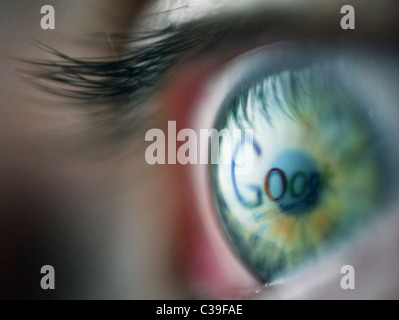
323	155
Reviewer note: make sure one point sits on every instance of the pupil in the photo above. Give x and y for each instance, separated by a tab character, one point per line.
294	182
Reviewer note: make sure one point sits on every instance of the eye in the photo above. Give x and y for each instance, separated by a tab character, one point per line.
320	158
314	115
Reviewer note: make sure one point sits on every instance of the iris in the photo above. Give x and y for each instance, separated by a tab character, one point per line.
319	171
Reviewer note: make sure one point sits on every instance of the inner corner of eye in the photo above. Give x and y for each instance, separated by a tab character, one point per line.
302	168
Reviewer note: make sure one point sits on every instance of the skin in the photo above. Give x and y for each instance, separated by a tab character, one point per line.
111	225
68	199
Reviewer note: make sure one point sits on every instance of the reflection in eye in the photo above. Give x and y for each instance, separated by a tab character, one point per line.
320	164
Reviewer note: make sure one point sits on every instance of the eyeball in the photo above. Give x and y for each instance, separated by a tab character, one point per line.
321	161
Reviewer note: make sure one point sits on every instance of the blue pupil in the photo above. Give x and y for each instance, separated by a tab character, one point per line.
293	182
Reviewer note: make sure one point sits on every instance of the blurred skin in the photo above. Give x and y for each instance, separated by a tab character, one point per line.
111	225
91	218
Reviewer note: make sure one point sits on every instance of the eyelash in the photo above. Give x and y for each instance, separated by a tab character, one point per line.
87	78
116	87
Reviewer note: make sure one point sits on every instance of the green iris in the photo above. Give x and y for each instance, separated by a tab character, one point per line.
319	168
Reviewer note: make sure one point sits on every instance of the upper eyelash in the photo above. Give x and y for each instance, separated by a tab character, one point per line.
118	86
103	80
114	89
153	54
